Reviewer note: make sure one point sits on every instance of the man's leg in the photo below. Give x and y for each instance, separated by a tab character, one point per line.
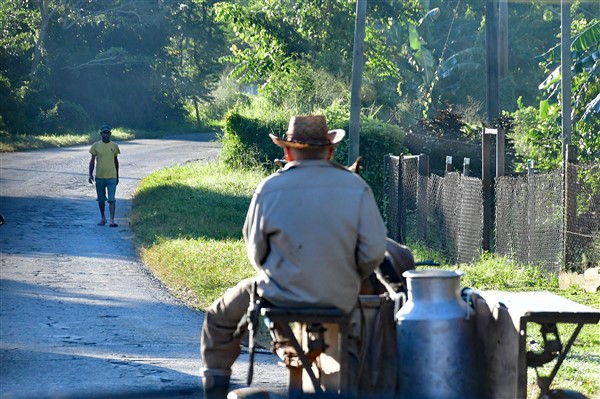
111	208
101	198
219	347
111	188
102	206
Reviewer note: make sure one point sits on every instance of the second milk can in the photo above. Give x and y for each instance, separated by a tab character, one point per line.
436	339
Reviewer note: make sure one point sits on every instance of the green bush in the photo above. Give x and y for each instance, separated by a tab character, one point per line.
377	139
536	135
246	143
227	95
63	117
303	89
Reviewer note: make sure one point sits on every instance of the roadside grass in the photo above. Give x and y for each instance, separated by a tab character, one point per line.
581	369
187	223
21	142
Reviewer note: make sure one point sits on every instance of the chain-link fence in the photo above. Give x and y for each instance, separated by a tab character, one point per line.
445	213
582	216
529	219
549	219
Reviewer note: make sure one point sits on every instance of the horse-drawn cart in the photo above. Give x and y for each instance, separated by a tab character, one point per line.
443	342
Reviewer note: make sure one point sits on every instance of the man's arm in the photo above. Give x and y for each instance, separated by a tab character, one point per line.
91	168
117	168
372	234
257	246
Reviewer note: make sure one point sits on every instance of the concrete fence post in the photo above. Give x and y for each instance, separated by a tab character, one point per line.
401	232
466	167
570	208
448	163
422	200
486	181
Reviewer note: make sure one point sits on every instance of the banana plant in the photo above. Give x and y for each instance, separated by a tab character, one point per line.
585	53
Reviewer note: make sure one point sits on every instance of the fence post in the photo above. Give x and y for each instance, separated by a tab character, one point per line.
570	202
486	181
422	200
530	167
448	163
466	166
401	227
500	152
531	204
393	189
387	187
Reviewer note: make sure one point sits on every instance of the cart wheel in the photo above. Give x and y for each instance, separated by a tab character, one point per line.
563	394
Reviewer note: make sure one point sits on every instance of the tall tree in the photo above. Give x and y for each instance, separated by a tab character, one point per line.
113	60
274	37
195	47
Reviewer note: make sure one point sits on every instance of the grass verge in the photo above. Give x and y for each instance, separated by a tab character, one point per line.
21	142
187	222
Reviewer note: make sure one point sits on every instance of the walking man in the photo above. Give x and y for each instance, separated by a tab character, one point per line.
104	158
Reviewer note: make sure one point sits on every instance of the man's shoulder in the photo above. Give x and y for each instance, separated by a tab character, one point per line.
296	175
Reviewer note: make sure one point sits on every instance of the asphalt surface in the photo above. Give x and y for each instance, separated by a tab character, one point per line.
80	315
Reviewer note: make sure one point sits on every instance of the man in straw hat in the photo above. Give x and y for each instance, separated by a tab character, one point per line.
313	232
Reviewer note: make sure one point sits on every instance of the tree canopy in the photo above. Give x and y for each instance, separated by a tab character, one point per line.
67	65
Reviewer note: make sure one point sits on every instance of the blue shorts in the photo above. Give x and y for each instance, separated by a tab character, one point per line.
103	186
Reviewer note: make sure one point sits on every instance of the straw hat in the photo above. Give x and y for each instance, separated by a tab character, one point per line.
309	131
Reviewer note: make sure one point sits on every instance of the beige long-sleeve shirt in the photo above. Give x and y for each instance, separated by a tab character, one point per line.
313	232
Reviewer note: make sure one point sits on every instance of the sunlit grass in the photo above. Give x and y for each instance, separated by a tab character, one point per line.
499	273
581	369
198	270
188	224
188	219
20	142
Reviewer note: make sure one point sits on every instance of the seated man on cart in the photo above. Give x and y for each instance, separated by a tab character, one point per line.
313	233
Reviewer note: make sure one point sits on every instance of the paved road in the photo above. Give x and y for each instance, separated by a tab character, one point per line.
80	315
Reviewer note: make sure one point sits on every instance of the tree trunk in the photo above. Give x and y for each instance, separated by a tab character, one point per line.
198	121
46	14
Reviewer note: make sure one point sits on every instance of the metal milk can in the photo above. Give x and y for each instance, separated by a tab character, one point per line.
436	338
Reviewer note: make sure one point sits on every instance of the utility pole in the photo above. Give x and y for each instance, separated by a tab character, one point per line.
565	70
569	153
503	39
493	112
357	69
491	38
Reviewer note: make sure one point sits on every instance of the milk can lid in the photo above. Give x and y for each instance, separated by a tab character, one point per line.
432	273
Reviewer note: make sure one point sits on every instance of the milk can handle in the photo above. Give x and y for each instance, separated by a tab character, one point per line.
399	301
467	294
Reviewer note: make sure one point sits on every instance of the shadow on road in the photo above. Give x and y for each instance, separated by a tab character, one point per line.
62	227
108	341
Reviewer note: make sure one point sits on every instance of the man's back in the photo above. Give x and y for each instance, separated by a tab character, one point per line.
314	232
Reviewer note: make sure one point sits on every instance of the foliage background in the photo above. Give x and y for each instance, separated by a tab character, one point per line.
68	66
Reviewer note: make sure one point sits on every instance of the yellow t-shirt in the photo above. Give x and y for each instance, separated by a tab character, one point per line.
105	159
